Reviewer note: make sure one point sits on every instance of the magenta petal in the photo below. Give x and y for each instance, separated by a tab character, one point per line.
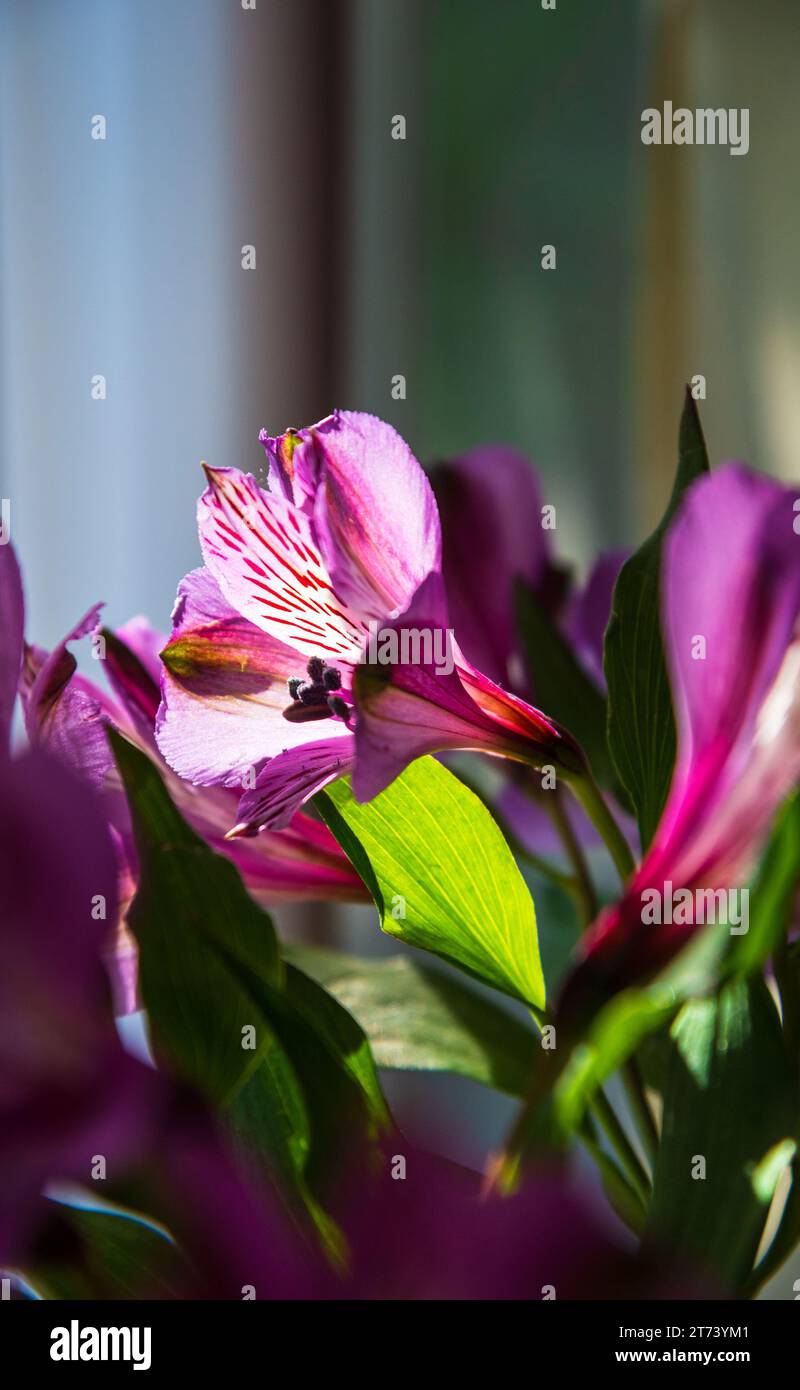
224	690
731	599
732	578
490	506
407	710
66	712
12	619
133	667
286	782
374	513
590	609
376	516
297	864
263	553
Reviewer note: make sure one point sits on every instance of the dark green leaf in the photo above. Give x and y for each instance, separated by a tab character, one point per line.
641	726
91	1254
289	1068
727	1132
442	876
186	894
417	1018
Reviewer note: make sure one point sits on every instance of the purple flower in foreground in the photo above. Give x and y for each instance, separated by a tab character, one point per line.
731	619
317	639
69	715
69	1094
433	1236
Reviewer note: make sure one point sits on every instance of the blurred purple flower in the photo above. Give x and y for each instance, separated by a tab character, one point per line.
490	504
69	1094
69	715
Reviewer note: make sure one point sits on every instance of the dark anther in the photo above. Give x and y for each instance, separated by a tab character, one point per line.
311	699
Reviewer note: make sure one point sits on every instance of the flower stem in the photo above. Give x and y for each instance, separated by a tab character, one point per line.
623	1198
588	794
633	1082
583	880
627	1155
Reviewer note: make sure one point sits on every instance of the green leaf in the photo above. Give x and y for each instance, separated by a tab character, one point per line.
427	848
772	893
728	1115
105	1254
186	894
561	685
289	1069
641	726
565	1081
417	1018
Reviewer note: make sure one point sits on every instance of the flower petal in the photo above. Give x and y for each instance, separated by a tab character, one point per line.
490	506
65	711
373	508
285	783
406	710
224	690
262	551
12	618
732	578
590	609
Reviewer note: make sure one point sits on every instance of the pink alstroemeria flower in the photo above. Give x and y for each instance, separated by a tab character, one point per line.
731	621
275	676
490	503
68	714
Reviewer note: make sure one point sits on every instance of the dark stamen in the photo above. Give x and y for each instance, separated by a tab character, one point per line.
339	707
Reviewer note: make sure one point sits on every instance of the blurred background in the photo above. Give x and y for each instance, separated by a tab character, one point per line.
270	124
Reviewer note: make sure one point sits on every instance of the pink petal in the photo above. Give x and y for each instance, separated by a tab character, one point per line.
405	710
224	690
374	512
287	782
262	551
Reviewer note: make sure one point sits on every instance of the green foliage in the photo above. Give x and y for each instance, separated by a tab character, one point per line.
641	726
442	876
418	1018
